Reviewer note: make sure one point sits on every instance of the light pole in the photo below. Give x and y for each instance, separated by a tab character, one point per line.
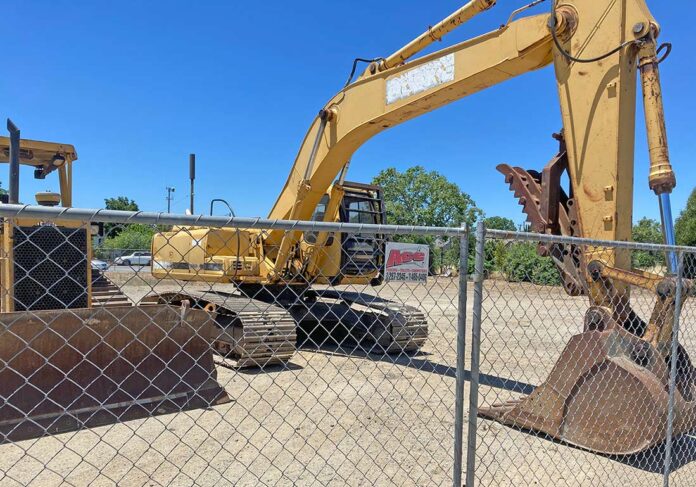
169	198
192	176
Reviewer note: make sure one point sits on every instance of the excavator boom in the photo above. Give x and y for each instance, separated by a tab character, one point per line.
597	49
387	98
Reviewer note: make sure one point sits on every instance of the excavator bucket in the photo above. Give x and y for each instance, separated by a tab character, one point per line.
64	370
607	393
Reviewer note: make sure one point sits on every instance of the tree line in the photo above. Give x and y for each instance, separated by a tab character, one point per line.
426	198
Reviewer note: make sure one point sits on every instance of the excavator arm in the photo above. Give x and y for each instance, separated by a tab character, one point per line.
387	98
597	99
597	48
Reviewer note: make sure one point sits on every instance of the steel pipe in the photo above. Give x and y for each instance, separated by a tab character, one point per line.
436	32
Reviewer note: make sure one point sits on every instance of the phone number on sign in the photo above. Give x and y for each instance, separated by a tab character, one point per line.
407	276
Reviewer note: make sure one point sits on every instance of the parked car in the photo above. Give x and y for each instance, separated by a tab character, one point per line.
136	258
99	265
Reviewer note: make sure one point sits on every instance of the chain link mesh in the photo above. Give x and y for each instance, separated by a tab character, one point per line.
568	395
132	365
152	354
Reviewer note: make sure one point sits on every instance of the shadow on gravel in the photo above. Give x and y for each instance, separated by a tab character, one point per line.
651	460
419	361
266	369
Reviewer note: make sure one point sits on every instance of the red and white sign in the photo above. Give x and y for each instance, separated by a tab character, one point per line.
406	262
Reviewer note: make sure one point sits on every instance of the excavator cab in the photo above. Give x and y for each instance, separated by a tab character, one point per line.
348	258
362	254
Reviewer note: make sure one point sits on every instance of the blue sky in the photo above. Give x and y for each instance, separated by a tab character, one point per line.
136	86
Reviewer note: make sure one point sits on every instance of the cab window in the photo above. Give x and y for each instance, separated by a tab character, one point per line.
361	212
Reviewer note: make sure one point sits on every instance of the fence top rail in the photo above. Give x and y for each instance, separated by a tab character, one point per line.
543	238
151	218
161	218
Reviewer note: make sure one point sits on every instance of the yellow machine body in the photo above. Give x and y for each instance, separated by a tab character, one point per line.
226	255
597	49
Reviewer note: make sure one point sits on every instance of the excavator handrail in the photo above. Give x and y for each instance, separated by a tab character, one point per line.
163	218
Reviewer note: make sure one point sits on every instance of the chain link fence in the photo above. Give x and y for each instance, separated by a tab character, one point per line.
191	371
567	394
374	355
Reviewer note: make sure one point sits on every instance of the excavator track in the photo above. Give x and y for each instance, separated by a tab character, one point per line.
249	332
106	293
376	324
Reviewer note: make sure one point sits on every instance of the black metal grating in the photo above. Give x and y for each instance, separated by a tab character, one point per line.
50	268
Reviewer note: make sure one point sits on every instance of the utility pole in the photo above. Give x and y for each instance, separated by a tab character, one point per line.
169	198
192	176
14	161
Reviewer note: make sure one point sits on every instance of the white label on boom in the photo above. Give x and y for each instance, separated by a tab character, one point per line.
420	79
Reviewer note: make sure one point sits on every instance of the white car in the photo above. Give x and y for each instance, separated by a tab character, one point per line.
99	265
136	258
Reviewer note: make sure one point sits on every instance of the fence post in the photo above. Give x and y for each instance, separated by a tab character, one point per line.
461	356
673	370
475	353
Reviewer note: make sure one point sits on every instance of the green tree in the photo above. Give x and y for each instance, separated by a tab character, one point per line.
647	230
121	203
495	250
427	198
686	223
685	228
419	197
500	223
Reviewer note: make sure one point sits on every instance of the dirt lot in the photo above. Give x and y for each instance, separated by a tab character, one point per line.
342	417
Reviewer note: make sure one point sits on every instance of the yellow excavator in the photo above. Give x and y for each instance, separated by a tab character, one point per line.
259	323
619	364
75	351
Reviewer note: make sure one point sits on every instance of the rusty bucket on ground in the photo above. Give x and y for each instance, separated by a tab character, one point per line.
64	370
608	393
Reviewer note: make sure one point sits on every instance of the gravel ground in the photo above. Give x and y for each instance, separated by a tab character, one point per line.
342	417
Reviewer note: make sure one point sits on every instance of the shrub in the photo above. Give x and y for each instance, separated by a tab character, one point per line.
523	264
133	237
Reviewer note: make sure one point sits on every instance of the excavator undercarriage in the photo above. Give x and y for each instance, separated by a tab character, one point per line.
260	327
